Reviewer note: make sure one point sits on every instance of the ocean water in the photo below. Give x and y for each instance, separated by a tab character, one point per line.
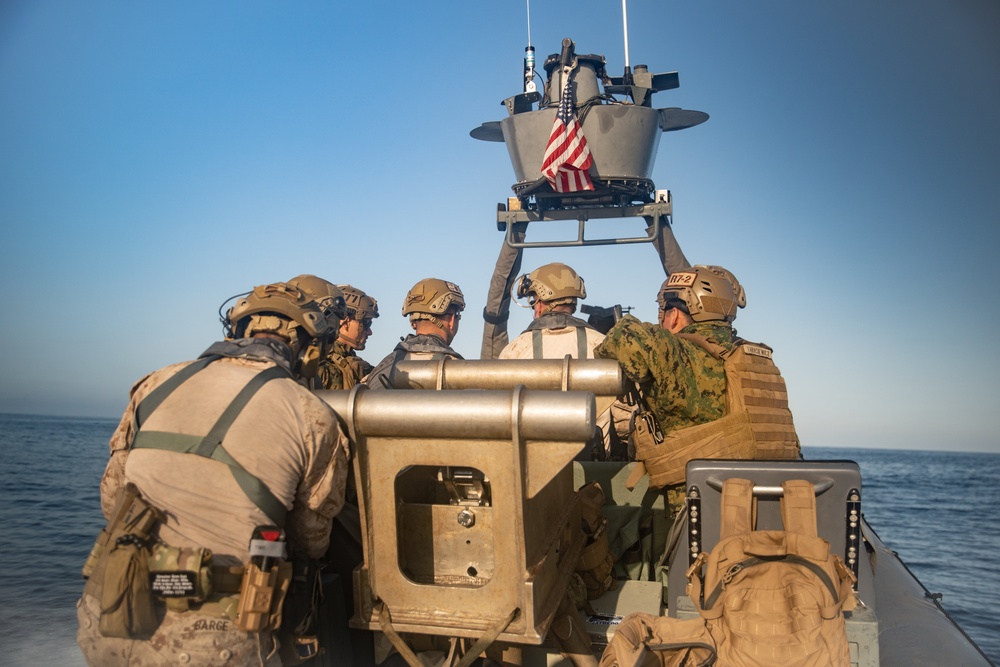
939	510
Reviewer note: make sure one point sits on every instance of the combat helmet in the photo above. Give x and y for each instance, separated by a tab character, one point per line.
281	309
360	306
432	297
552	284
706	292
328	296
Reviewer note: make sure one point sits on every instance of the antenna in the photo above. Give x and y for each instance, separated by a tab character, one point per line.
627	78
529	58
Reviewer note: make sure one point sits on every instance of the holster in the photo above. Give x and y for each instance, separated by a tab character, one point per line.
261	597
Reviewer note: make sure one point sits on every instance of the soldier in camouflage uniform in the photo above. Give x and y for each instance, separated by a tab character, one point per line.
434	307
682	384
220	446
343	368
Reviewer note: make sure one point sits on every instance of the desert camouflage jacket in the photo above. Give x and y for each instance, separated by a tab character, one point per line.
683	384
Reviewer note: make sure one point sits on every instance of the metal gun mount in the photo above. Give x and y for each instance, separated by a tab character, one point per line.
471	525
623	137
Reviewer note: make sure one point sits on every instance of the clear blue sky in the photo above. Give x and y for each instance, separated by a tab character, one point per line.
157	158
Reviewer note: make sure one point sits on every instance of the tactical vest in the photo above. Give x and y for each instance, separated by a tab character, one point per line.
757	425
552	321
351	368
210	445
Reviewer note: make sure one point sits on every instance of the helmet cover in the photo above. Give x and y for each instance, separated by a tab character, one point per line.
553	283
360	306
707	292
433	296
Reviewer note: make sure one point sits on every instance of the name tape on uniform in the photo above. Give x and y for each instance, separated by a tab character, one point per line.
756	350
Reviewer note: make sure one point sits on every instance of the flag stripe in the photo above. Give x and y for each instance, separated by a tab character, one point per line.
567	157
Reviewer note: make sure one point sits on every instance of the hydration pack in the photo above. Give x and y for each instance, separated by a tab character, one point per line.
773	597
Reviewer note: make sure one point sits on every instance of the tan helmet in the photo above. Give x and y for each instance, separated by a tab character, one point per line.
432	297
279	308
552	284
360	306
329	296
706	292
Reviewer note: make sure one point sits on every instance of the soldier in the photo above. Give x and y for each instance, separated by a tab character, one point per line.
681	367
343	368
434	307
211	452
553	291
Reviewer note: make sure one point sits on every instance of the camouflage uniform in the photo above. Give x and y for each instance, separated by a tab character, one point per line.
414	346
342	368
286	437
683	384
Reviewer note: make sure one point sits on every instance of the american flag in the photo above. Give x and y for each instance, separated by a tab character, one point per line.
567	158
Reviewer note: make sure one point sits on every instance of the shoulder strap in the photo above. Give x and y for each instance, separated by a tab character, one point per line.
210	446
157	396
737	507
798	507
714	349
581	343
536	344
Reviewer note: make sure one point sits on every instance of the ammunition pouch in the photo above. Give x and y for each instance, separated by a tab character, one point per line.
180	576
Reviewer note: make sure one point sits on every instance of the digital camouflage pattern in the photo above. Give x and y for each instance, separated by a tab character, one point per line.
683	384
342	368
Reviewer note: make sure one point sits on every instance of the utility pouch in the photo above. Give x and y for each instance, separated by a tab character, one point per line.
131	515
181	576
127	608
646	434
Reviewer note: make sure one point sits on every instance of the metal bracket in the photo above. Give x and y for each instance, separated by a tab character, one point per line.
657	214
852	548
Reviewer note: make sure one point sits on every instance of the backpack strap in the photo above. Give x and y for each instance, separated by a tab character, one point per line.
737	507
798	507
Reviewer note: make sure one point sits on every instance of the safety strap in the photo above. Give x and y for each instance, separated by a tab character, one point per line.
210	446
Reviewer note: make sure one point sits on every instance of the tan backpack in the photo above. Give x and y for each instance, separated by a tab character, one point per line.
773	597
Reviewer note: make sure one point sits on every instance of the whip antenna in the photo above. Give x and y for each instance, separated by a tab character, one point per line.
627	79
529	57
